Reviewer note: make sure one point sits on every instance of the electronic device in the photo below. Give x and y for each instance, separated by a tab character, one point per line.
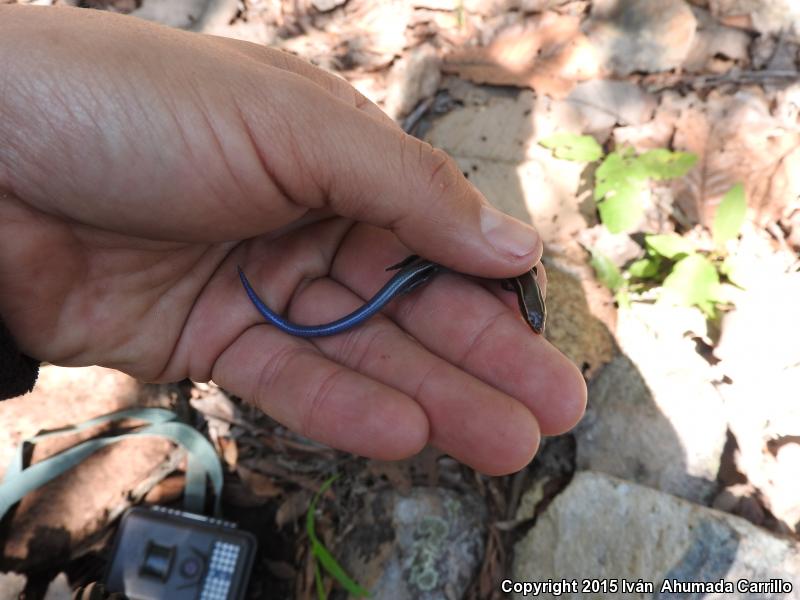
162	553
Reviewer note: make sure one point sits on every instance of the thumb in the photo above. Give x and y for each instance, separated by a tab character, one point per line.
362	168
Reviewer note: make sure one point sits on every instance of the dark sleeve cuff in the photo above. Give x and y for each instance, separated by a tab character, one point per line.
17	372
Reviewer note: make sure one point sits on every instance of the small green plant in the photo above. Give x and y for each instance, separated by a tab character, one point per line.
622	175
323	556
687	276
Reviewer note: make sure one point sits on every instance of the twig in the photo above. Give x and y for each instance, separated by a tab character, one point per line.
729	77
410	122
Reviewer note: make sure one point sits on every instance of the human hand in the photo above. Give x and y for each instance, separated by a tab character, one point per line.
139	165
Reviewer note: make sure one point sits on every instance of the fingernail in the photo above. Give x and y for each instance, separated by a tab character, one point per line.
506	234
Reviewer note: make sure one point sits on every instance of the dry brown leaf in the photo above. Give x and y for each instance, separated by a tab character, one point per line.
738	21
230	451
261	485
395	472
737	139
293	507
281	569
493	562
656	133
268	467
492	7
764	16
167	490
712	41
548	53
305	588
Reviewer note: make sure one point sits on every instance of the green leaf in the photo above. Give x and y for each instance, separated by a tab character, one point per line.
730	215
669	245
336	570
312	534
321	553
665	164
571	146
606	271
693	281
645	268
622	209
616	170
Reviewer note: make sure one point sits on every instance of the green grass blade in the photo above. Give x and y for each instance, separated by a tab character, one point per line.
322	554
335	570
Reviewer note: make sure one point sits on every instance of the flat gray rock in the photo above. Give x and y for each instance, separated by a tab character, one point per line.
496	146
653	415
197	15
762	366
425	545
602	532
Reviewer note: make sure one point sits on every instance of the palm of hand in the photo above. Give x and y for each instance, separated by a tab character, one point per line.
119	243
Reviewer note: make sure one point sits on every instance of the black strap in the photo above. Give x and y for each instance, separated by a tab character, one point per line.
18	372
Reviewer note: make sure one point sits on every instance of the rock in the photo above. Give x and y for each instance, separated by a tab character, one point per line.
197	15
12	585
641	35
571	325
465	92
424	545
751	354
496	145
741	499
257	32
549	472
326	5
653	415
59	588
762	369
601	531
